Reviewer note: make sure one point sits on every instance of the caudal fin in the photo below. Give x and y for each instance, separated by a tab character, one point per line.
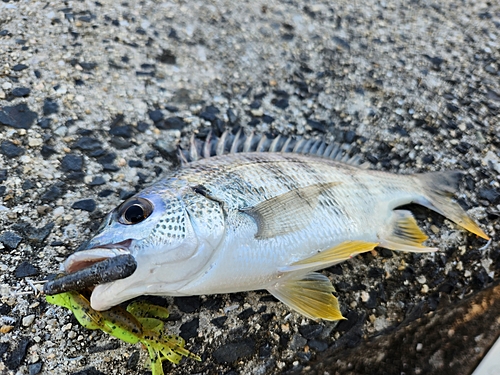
439	188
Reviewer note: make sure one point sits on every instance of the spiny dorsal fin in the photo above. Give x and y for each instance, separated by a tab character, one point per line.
229	143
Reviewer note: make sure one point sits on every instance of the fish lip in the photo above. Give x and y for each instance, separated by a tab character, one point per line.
85	258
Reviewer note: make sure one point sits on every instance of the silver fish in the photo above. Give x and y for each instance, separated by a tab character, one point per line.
263	220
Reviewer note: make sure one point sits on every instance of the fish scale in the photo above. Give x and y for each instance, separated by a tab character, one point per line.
265	220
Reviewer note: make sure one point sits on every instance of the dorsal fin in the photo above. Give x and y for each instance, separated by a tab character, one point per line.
229	143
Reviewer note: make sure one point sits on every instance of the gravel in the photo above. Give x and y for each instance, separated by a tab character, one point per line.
88	87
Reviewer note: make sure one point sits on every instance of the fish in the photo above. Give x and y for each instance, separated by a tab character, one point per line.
246	213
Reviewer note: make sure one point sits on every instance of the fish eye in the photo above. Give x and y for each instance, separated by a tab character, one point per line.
134	211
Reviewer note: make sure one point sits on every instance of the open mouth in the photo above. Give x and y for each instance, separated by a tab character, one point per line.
88	268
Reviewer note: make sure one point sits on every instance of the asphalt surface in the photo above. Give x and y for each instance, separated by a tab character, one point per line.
95	97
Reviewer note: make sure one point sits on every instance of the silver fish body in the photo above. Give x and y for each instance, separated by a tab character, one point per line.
249	221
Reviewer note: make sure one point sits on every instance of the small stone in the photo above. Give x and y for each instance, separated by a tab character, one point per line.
19	116
6	85
231	116
47	151
50	107
35	368
21	92
135	164
280	103
97	180
35	142
245	314
171	123
85	205
317	345
142	126
28	320
10	150
52	193
18	353
219	322
156	115
10	240
72	163
190	329
125	131
311	331
25	269
188	304
19	67
267	119
167	57
87	144
235	350
316	125
491	195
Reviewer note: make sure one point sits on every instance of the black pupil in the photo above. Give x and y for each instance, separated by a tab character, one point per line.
134	214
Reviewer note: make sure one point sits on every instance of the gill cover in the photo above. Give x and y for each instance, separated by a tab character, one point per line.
172	244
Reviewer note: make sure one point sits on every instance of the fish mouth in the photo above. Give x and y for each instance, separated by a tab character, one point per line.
86	258
98	265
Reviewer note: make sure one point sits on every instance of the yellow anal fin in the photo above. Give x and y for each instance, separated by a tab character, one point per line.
403	234
311	295
336	254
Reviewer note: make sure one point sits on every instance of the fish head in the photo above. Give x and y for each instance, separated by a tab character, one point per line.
170	229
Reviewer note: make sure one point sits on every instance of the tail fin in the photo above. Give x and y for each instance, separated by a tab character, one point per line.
439	187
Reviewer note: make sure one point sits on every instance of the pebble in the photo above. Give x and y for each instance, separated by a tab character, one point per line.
235	350
156	115
21	92
10	240
72	163
189	329
18	116
311	331
10	150
17	353
25	269
125	131
171	123
490	194
19	67
50	107
6	85
35	368
28	320
87	144
280	103
97	180
85	205
34	142
53	193
188	304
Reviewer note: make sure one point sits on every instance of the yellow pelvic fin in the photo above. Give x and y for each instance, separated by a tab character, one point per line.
336	254
311	295
403	234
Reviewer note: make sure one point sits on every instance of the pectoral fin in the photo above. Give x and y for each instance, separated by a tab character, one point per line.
402	233
327	258
287	212
311	295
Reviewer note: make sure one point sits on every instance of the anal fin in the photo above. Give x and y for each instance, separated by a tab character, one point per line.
403	234
336	254
311	295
